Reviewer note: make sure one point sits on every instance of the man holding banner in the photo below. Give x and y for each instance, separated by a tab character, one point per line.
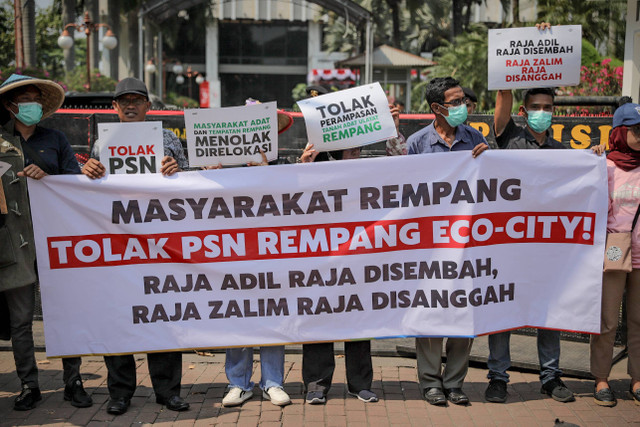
537	108
447	133
131	102
32	151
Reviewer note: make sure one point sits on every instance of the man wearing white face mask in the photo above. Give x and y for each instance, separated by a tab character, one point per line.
447	133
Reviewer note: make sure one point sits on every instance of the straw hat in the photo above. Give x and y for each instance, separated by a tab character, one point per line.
52	92
285	120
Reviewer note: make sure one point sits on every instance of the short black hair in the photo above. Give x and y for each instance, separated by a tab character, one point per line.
437	87
624	100
469	93
528	93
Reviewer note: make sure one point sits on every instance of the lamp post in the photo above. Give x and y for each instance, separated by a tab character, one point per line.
189	73
176	68
109	41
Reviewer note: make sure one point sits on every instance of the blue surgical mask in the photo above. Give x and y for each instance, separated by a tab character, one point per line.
29	113
457	115
539	120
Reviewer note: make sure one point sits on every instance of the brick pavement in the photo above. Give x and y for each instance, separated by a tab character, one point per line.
204	384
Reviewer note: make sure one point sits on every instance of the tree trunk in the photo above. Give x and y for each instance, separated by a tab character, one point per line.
114	22
515	10
68	17
395	14
17	5
94	12
611	38
132	30
29	32
456	18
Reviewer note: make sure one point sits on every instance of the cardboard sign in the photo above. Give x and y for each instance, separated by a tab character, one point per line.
527	57
232	135
131	148
348	118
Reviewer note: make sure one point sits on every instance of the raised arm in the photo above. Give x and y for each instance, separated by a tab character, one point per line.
504	103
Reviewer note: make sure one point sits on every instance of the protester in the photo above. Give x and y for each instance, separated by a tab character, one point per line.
446	133
472	99
238	365
33	151
318	362
131	102
623	170
537	108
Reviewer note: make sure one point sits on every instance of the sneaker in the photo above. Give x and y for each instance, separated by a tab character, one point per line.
277	395
496	391
236	397
27	399
365	396
604	397
75	393
316	398
557	390
635	395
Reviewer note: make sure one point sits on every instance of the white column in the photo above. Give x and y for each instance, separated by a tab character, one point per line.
631	77
211	64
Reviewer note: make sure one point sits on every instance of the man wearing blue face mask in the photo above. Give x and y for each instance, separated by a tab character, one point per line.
537	108
32	151
447	133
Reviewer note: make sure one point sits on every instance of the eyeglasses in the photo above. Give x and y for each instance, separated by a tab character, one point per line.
457	102
635	130
136	102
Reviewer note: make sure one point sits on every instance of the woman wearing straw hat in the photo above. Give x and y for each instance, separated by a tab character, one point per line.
32	151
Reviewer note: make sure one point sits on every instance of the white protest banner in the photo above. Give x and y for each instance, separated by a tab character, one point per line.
528	57
231	135
426	245
131	148
348	118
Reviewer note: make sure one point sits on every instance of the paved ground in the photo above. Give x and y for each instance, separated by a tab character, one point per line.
204	383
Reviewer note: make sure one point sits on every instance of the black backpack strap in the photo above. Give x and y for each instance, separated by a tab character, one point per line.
635	218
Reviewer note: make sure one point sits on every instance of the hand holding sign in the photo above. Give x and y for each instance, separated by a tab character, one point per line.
130	148
540	56
233	135
348	118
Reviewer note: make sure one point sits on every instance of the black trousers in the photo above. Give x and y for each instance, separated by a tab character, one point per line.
318	364
165	370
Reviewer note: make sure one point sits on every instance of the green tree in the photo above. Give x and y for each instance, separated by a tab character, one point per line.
428	26
7	35
603	22
48	24
464	59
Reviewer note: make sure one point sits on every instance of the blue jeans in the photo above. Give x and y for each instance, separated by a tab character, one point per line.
548	355
239	367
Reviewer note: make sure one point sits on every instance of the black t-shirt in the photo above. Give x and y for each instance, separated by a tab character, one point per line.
519	138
